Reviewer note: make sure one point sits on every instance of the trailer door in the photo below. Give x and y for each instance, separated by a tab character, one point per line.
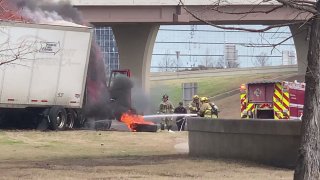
296	102
260	92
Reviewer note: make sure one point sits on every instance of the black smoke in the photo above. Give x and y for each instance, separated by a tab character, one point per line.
120	94
113	102
50	7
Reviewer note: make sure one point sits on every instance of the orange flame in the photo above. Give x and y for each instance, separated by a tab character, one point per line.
133	120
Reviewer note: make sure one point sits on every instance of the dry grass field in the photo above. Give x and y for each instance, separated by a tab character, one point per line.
116	155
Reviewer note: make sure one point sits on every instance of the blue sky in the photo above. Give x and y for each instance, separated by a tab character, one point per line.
203	44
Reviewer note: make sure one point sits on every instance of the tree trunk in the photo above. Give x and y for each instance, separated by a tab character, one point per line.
308	165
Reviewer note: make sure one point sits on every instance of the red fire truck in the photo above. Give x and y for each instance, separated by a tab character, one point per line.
272	100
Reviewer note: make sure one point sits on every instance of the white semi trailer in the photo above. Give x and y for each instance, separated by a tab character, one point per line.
43	69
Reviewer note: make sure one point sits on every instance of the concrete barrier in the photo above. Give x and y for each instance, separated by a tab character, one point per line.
273	142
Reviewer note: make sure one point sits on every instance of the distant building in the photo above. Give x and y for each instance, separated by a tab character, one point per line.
231	56
106	41
288	58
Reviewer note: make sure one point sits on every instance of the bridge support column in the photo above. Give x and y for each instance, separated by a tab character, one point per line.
135	44
300	38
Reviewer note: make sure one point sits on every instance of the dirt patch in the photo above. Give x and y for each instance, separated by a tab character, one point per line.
229	107
145	167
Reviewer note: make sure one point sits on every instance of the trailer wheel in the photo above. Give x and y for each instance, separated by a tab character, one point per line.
43	121
71	119
146	128
80	119
58	118
2	118
109	124
102	124
89	124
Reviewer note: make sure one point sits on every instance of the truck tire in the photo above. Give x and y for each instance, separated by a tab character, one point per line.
3	118
71	119
89	124
80	119
58	118
102	124
109	124
43	121
146	128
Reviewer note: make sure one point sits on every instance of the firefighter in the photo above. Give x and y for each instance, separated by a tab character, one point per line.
194	106
215	110
206	108
166	107
180	120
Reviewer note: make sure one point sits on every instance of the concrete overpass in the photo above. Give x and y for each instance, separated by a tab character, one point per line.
135	24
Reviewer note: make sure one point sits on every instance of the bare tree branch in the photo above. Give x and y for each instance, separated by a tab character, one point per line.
236	28
299	6
7	62
251	11
274	45
307	2
261	60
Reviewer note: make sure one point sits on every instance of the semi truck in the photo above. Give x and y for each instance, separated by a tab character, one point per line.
43	73
272	100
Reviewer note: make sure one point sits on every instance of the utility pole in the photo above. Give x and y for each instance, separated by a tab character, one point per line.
178	55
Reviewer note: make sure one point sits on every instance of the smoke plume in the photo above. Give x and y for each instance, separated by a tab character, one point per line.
42	11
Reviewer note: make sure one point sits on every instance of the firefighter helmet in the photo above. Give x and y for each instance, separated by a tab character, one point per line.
165	96
195	97
204	99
